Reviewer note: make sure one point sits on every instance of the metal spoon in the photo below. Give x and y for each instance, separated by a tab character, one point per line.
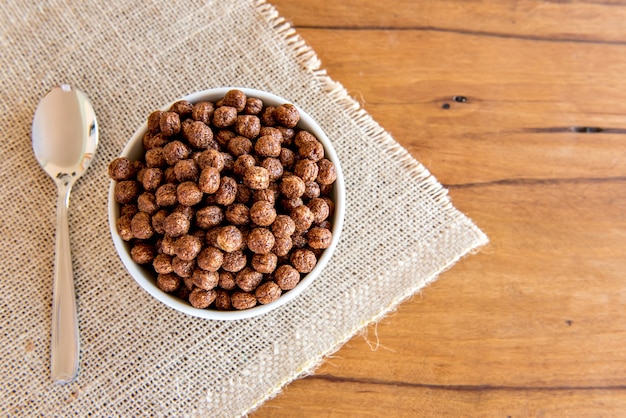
65	137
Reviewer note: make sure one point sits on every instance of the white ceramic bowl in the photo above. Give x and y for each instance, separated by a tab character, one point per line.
146	277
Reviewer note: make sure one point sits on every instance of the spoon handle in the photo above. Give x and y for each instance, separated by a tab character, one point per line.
64	347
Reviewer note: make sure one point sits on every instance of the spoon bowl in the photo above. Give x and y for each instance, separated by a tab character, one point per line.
65	138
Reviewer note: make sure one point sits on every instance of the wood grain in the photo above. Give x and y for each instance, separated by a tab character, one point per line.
518	108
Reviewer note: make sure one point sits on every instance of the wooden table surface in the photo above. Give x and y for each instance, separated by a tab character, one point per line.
519	109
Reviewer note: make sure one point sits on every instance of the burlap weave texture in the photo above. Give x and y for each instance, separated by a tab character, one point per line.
138	356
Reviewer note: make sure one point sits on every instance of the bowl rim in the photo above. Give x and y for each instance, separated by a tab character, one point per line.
139	274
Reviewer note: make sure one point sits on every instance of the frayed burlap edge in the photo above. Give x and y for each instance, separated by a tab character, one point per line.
307	58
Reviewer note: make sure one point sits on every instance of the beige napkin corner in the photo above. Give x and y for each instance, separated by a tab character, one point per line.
137	356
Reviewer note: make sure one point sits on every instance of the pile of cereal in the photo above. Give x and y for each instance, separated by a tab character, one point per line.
230	202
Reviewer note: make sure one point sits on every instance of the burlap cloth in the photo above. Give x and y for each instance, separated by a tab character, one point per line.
137	356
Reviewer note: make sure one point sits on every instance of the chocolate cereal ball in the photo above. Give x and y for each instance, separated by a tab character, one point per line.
244	194
267	146
265	195
260	241
155	157
198	134
236	99
282	246
184	268
162	263
186	170
224	116
319	238
152	178
176	225
142	253
288	134
327	173
242	163
210	259
311	190
122	169
222	300
129	209
229	238
234	261
226	280
224	136
274	168
185	289
205	279
202	111
201	298
169	175
319	208
238	214
166	195
268	292
188	211
313	150
325	224
183	108
287	205
306	169
209	217
123	227
302	137
330	203
286	115
146	202
256	178
228	161
187	285
253	106
175	151
303	260
292	187
262	213
226	192
187	247
154	120
286	277
287	158
248	279
264	263
298	239
271	131
166	246
126	191
141	226
239	145
211	158
169	123
243	300
267	116
188	193
210	237
302	217
248	126
168	282
209	180
283	226
151	140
